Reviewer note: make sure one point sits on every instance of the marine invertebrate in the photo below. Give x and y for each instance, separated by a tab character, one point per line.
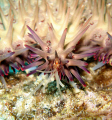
104	55
100	24
48	59
61	19
12	50
96	35
56	58
65	57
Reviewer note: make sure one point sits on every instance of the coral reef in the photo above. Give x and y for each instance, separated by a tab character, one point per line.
56	41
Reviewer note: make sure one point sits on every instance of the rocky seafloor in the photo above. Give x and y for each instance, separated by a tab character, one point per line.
93	102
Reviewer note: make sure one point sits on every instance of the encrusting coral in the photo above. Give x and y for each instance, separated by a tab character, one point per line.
62	33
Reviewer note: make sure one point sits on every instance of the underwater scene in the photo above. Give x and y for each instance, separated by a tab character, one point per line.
55	59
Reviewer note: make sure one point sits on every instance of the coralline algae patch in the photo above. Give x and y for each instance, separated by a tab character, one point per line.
18	103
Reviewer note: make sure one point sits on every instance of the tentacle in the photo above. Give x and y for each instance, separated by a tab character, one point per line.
68	74
17	59
4	67
75	73
1	72
84	68
77	38
38	51
99	65
80	56
37	59
3	81
68	50
15	66
73	62
32	65
38	40
91	50
3	57
62	40
33	55
29	60
41	67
